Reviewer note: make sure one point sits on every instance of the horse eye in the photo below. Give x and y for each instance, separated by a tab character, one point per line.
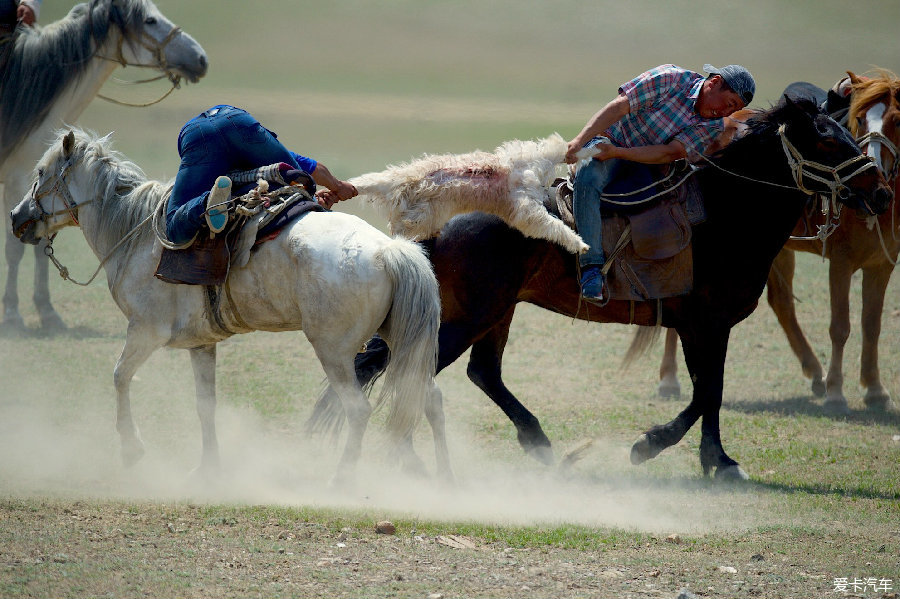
150	21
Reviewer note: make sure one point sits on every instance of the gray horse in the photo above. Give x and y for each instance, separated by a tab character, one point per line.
50	77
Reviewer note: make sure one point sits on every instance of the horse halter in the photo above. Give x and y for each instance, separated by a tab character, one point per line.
831	176
880	138
57	184
158	51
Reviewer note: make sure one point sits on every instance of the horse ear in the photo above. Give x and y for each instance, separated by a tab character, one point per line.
853	78
69	144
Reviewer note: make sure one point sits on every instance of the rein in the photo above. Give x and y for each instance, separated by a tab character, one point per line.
157	49
800	168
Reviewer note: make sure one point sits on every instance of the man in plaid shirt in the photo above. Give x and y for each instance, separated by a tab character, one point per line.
660	116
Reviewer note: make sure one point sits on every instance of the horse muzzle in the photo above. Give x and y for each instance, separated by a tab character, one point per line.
24	224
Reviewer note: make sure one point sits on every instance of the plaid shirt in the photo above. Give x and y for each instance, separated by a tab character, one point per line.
662	103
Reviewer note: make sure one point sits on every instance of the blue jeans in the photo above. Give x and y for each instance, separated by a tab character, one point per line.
216	142
591	178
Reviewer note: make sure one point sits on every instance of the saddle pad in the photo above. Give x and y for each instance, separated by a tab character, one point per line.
649	268
206	262
629	178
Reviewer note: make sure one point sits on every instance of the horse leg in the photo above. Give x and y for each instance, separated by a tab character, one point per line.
50	319
434	413
704	354
15	250
342	379
839	286
669	386
485	363
203	363
780	293
874	285
138	347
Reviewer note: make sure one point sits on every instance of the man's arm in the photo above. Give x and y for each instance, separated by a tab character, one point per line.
336	191
660	154
598	123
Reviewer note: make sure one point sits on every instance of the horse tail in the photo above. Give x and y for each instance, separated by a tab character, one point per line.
411	332
643	340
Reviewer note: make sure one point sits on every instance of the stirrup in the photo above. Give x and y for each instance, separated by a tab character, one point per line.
217	205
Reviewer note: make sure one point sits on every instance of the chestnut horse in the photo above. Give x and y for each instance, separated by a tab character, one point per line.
485	268
868	243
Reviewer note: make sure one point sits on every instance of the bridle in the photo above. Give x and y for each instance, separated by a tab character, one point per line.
57	184
831	176
158	51
70	206
878	137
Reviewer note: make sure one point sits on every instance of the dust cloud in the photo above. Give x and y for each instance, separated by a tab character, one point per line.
48	450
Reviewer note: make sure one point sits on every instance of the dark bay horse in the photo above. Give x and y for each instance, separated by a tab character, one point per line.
485	268
858	242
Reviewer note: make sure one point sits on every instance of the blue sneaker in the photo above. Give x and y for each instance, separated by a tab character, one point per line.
217	205
592	284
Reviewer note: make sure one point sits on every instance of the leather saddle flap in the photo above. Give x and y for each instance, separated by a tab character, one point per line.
206	261
660	231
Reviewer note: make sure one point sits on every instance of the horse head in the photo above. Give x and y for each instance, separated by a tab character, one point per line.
50	205
149	39
825	159
874	119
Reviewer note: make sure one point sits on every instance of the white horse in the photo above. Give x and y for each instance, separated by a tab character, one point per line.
50	76
332	275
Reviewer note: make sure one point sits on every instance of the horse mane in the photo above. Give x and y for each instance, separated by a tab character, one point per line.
125	197
870	90
764	123
43	62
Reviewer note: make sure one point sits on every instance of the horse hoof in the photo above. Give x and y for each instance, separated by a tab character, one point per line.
669	391
731	473
879	402
642	451
132	454
818	387
52	323
12	321
542	453
836	406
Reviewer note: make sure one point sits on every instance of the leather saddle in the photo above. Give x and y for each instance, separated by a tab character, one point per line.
646	229
208	260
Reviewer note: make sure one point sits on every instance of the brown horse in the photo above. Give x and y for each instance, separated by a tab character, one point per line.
485	268
868	243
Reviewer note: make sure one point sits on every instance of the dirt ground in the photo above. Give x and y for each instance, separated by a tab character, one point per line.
56	548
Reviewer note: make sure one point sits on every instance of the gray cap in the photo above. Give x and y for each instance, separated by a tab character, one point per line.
738	79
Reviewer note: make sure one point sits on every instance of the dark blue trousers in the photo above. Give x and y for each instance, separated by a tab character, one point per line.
216	142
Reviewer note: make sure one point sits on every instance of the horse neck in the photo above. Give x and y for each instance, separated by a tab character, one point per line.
106	218
753	215
85	88
38	99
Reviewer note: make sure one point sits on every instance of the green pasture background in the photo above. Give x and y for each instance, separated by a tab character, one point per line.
359	85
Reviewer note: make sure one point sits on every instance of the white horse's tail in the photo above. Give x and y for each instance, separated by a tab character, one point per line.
411	332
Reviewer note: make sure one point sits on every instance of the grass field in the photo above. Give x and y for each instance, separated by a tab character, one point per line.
360	85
